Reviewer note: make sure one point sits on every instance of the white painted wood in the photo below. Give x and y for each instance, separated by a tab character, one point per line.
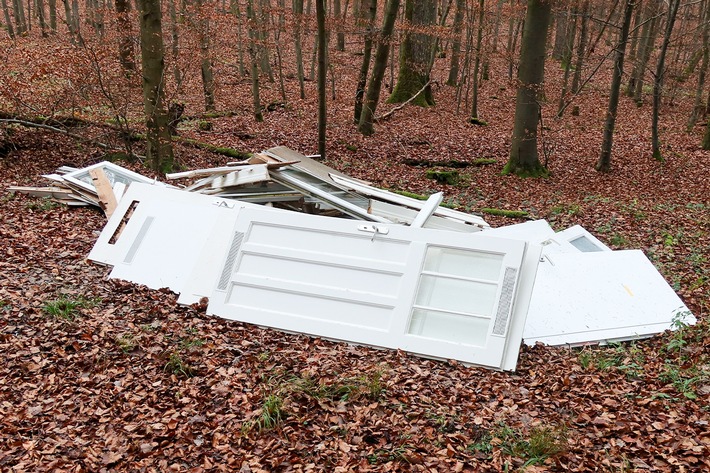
601	296
203	276
201	172
284	177
427	211
163	238
244	175
119	188
405	216
581	239
113	172
364	283
388	196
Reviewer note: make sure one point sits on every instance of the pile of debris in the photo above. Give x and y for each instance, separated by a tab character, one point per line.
258	239
101	185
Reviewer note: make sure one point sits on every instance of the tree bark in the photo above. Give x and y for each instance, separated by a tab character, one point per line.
263	35
581	48
8	21
236	12
159	148
125	44
203	28
20	22
41	18
379	68
367	16
52	15
561	27
524	159
175	42
476	65
604	162
456	44
415	54
322	69
254	59
698	105
567	58
635	88
70	22
658	78
298	24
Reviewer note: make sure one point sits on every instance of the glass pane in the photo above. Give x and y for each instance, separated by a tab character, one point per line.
456	295
468	264
584	244
449	327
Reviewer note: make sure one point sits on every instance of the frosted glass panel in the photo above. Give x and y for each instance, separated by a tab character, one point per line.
456	295
584	244
449	327
467	264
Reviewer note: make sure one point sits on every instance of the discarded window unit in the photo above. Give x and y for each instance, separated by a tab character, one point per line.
586	293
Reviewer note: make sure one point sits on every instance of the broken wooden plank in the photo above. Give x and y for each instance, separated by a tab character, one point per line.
200	172
245	175
107	200
54	192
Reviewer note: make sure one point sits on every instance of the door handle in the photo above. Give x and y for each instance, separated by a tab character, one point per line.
374	229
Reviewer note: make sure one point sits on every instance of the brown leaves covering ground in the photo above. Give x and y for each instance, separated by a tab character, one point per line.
137	383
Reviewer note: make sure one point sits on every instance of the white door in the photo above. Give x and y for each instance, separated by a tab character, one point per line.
435	293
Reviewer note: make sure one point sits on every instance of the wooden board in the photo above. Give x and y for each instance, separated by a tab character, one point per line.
107	199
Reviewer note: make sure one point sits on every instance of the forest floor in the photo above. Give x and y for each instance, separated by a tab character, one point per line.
104	375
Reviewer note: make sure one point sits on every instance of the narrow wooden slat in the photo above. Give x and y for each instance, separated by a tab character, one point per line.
107	200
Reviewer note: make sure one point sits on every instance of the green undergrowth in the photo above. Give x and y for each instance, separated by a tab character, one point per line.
67	309
222	150
529	447
505	213
281	389
413	195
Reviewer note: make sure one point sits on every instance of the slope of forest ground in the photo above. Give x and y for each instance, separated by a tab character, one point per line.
103	375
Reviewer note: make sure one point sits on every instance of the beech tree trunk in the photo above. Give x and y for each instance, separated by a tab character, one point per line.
604	162
41	18
20	22
649	39
203	31
298	24
125	43
456	44
476	65
8	21
524	160
254	59
379	68
514	27
236	12
263	35
658	78
698	105
70	22
159	148
52	15
368	11
175	42
561	26
322	69
567	59
415	54
581	48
